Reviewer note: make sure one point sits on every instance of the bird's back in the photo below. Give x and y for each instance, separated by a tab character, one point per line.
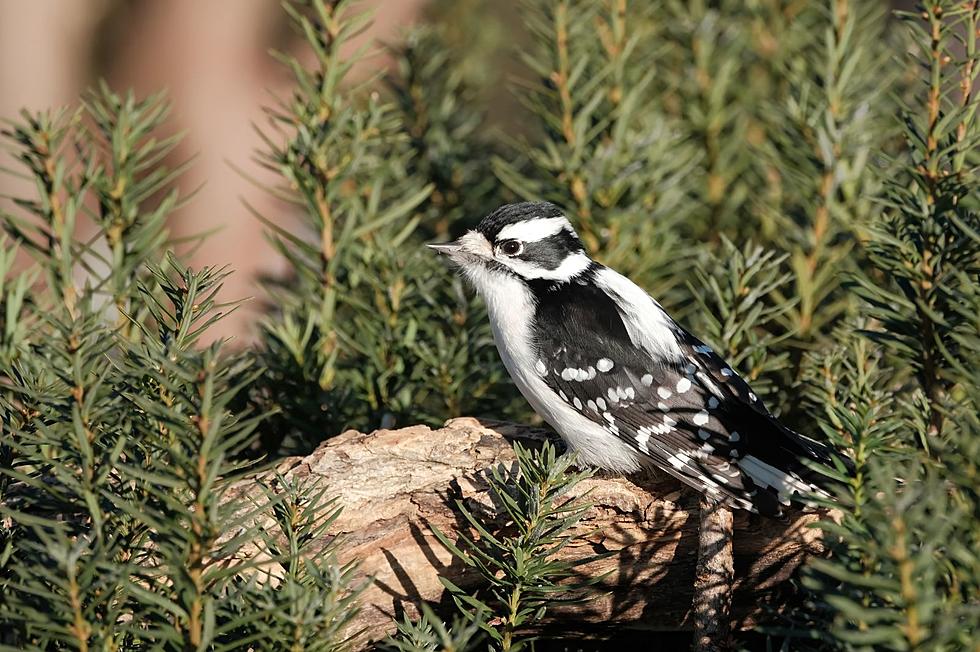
600	346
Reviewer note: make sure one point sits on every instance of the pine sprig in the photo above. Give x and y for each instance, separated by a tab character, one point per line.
601	150
737	304
514	552
833	122
920	246
122	434
301	596
898	569
351	343
439	101
430	634
44	224
130	215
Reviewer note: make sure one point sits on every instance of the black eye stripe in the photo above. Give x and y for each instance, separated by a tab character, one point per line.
550	252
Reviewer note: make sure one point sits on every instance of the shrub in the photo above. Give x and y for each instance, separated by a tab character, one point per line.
835	145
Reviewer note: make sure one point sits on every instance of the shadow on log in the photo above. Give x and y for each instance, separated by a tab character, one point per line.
395	485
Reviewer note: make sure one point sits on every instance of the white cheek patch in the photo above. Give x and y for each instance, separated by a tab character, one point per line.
534	230
572	266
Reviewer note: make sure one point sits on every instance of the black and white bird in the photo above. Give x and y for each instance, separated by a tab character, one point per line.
623	384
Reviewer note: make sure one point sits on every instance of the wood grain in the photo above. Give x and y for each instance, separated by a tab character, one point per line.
396	485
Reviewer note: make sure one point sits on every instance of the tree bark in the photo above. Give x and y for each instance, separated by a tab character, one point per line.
396	485
714	577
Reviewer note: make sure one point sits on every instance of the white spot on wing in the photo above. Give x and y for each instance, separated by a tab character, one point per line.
647	380
703	377
683	385
642	437
679	460
540	368
663	392
604	364
701	418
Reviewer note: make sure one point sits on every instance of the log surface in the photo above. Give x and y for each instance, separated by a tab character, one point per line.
395	485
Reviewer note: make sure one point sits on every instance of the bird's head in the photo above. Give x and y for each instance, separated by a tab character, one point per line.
529	241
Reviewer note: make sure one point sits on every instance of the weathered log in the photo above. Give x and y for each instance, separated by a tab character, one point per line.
395	485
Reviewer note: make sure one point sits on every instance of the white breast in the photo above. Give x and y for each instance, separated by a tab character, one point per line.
510	305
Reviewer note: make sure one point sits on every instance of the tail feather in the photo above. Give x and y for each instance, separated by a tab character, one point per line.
790	471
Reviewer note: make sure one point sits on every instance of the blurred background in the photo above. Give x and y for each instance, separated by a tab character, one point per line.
212	58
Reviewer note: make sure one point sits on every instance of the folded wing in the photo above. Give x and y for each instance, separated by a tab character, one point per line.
688	412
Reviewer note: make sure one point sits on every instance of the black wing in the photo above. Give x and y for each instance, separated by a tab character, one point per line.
738	397
695	418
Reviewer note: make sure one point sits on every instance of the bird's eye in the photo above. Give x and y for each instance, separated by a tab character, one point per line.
511	247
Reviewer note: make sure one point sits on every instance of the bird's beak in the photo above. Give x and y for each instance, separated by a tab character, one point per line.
468	248
448	248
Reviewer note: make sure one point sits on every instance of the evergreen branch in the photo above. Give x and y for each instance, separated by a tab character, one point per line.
513	552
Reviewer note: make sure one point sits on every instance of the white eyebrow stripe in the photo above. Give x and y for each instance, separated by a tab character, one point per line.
534	230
